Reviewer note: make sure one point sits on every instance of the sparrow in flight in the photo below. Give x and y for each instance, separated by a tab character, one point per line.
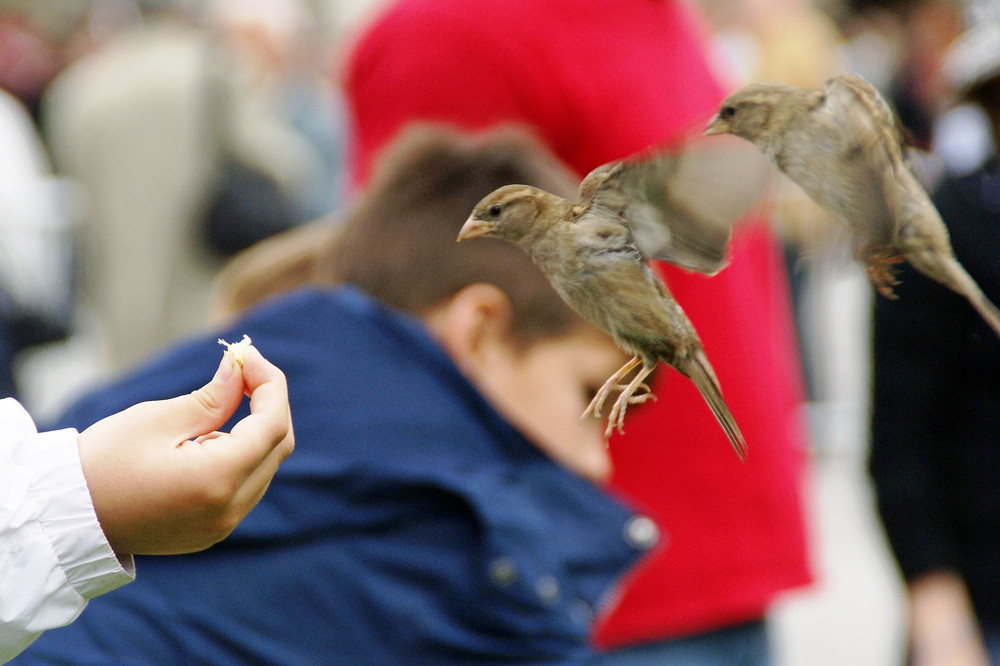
595	252
842	145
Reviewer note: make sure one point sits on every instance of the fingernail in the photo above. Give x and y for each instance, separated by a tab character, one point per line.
226	368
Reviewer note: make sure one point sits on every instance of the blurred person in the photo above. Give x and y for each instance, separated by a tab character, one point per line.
935	457
963	135
35	250
775	40
169	131
919	89
39	38
75	507
599	81
441	506
29	59
275	47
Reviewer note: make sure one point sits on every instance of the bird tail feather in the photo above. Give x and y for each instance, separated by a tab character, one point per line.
958	280
700	371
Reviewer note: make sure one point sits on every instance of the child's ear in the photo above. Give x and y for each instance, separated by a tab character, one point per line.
471	325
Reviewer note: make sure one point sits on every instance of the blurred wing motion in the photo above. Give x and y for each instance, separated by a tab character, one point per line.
842	91
680	206
871	152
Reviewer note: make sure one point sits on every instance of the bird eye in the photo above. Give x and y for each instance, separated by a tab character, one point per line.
727	112
495	210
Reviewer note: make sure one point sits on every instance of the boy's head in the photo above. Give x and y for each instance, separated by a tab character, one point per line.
399	243
492	310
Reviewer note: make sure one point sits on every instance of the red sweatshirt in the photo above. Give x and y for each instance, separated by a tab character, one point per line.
599	80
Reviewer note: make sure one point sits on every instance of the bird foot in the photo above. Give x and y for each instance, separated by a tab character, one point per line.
884	279
616	419
639	398
594	408
880	264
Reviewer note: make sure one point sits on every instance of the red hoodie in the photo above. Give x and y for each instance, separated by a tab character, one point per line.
600	80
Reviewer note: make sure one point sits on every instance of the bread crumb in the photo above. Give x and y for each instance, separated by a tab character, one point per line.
237	349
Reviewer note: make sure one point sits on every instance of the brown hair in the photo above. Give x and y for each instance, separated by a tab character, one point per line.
399	242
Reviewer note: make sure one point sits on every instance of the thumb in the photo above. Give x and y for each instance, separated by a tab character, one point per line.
205	409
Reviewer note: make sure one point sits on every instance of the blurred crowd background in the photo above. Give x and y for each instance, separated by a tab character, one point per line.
142	143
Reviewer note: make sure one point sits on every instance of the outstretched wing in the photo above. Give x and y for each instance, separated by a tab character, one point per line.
680	206
871	152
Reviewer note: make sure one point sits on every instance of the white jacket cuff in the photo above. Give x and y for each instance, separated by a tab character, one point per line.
53	554
67	518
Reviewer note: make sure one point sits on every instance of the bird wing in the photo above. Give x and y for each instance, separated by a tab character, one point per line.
872	152
680	206
886	121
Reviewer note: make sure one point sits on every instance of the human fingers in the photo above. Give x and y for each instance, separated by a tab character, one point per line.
206	409
251	453
256	484
268	428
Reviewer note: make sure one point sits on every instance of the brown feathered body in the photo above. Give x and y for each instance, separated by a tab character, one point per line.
842	146
588	252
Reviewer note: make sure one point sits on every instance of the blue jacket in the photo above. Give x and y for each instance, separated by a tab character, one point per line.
412	524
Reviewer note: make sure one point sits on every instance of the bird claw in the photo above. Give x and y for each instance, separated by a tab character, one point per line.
880	265
647	394
616	419
594	408
884	279
628	396
612	384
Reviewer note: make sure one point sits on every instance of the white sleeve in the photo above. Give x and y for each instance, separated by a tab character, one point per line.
53	554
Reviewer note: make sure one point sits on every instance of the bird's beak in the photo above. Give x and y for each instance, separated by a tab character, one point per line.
474	228
717	126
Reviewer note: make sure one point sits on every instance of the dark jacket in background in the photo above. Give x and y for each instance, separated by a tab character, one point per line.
935	456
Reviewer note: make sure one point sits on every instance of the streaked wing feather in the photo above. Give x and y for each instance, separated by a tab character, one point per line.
887	122
872	152
674	204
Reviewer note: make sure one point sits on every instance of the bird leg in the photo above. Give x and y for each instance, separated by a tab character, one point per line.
880	262
595	405
617	416
639	398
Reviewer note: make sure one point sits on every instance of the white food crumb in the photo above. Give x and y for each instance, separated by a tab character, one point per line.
237	349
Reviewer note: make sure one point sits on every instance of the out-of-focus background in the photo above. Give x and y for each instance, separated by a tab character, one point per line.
134	133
